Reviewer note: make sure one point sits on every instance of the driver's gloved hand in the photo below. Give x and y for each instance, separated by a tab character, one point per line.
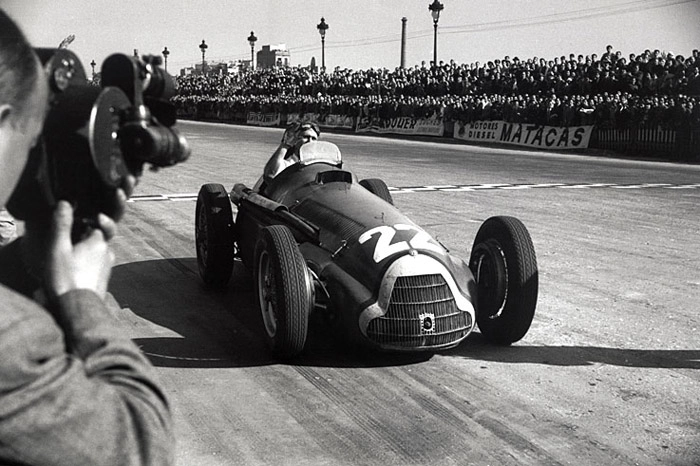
289	139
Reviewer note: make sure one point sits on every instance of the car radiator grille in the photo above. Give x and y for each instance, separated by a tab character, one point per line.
422	314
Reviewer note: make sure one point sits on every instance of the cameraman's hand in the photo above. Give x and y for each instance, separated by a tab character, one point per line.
85	265
118	201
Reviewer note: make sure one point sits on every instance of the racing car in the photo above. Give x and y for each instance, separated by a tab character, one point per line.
318	240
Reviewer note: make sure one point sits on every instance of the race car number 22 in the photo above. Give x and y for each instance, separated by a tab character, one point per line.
385	248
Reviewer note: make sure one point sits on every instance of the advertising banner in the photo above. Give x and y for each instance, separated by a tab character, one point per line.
324	121
263	119
402	125
526	135
337	121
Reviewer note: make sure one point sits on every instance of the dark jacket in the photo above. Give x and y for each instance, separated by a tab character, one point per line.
74	389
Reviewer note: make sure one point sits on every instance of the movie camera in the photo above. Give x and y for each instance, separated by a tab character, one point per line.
95	136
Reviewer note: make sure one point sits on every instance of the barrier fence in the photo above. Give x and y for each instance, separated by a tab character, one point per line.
671	144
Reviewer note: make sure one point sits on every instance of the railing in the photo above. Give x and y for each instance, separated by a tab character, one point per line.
678	145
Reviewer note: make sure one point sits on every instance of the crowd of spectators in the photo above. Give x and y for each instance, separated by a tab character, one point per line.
653	88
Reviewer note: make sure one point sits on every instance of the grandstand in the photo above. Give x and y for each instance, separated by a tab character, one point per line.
646	102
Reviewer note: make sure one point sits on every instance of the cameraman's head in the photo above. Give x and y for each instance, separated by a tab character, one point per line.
23	103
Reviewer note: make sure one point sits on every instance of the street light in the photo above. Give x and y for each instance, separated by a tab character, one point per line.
203	47
165	53
322	27
251	40
435	9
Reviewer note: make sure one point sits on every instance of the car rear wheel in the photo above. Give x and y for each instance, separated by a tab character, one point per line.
214	235
284	290
505	268
378	188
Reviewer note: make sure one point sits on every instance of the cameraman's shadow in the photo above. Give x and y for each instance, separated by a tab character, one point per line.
188	325
194	326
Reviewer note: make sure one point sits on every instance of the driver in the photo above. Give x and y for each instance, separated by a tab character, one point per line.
287	154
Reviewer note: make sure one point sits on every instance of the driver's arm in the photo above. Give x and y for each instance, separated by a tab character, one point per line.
283	155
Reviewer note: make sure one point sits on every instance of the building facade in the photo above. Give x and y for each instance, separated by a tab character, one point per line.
273	55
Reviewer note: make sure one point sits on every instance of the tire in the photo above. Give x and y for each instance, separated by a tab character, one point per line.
505	268
284	291
378	188
214	235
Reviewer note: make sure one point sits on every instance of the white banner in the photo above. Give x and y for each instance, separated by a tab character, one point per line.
330	120
337	121
263	119
402	125
294	117
521	134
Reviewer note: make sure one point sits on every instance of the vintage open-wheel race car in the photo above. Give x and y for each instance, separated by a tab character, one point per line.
317	239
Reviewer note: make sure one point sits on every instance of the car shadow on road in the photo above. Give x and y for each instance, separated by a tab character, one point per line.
476	347
201	328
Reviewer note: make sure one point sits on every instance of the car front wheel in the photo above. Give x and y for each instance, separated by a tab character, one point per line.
505	268
284	291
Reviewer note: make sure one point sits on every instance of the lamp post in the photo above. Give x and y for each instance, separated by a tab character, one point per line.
435	9
203	47
165	53
251	40
322	27
93	64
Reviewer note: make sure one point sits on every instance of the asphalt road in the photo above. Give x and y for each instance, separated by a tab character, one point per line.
608	374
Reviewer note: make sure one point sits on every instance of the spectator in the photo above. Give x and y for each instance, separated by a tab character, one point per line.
458	90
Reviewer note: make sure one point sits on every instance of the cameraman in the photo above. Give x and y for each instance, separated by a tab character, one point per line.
73	389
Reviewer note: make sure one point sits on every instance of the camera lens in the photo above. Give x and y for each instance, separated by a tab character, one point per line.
158	83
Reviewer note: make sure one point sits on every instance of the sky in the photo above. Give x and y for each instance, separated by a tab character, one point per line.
362	34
